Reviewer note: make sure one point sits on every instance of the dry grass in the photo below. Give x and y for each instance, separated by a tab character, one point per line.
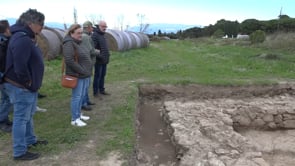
280	40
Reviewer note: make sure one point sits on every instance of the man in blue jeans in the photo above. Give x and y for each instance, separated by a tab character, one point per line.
23	78
93	53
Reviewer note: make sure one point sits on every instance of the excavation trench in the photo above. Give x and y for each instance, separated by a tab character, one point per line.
216	125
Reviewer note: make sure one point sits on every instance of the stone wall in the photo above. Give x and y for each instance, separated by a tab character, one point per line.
204	131
264	115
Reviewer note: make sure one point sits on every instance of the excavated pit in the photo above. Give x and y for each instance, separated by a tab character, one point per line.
216	125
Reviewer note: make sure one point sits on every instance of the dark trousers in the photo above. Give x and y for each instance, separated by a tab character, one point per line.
100	71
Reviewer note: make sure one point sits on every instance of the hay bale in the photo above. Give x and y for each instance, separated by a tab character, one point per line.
50	42
43	45
134	41
114	40
125	40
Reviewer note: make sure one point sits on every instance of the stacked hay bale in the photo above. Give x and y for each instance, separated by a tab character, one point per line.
125	40
50	42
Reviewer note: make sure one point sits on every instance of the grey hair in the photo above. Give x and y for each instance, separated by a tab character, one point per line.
31	16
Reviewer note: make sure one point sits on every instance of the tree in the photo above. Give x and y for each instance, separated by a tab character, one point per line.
250	25
94	18
141	18
159	32
283	16
121	21
229	28
75	16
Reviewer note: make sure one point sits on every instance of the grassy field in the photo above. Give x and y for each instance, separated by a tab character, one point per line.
112	127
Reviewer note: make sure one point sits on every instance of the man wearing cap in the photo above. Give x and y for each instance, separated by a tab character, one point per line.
93	53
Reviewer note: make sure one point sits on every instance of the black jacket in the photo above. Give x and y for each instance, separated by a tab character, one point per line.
24	61
3	49
101	44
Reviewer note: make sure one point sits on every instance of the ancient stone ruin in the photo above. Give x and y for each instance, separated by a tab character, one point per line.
227	126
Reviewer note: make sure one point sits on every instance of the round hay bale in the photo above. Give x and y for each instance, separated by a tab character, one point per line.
125	40
114	40
50	42
134	41
146	40
128	39
60	34
137	39
43	45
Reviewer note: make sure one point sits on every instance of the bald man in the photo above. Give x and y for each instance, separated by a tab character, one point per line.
100	67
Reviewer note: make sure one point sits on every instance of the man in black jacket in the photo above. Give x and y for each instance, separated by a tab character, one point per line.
100	67
5	105
23	77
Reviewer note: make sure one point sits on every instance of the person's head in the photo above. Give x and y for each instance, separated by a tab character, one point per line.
33	19
88	26
4	27
75	31
102	25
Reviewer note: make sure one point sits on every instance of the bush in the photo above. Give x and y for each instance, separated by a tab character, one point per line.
218	33
257	36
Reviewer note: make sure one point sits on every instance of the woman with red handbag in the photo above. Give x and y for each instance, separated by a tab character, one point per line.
78	64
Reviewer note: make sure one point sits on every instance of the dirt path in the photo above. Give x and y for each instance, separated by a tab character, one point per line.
85	152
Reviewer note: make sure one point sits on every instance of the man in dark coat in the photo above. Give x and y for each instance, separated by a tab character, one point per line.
100	67
5	105
23	77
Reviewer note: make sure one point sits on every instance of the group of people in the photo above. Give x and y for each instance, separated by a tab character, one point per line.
22	76
90	44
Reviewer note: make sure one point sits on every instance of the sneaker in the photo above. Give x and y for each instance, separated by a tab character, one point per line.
27	156
40	142
86	108
82	117
9	123
6	122
78	122
104	93
40	96
6	128
97	96
90	103
40	109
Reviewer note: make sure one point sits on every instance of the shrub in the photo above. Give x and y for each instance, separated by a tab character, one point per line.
257	36
218	33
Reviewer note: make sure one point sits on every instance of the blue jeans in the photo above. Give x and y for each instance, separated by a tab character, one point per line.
24	103
5	107
78	95
100	71
86	99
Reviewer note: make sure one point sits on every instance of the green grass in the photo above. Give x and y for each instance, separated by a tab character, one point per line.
165	62
189	62
120	122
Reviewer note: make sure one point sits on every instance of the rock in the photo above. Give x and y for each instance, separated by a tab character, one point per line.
290	124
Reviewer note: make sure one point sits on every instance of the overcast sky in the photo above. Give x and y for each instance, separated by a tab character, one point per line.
117	12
